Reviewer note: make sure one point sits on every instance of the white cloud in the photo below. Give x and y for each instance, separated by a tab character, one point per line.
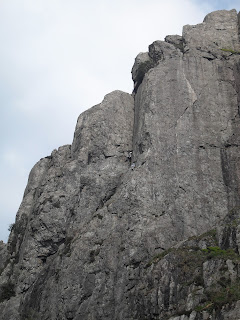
60	57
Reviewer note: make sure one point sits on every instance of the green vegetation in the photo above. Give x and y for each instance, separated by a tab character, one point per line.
7	291
188	260
216	252
209	235
205	306
230	50
218	297
158	257
224	295
195	251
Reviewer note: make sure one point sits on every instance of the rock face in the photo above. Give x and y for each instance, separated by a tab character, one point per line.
139	218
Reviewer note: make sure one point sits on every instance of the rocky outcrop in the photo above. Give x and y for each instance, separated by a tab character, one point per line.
3	255
138	218
197	279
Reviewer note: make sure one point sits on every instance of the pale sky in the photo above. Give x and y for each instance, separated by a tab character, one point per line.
59	58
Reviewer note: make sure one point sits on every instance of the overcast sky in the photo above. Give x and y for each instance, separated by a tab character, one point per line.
59	58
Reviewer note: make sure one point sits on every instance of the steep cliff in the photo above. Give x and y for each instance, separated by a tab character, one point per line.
139	218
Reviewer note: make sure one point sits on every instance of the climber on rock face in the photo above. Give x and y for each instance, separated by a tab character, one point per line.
133	165
129	156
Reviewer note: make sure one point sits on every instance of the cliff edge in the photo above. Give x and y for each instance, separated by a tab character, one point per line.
139	218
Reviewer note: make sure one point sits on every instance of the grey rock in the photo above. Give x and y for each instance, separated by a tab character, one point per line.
138	218
3	255
220	29
176	40
142	64
187	282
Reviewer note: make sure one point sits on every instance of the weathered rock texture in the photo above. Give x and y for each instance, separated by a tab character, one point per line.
139	218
